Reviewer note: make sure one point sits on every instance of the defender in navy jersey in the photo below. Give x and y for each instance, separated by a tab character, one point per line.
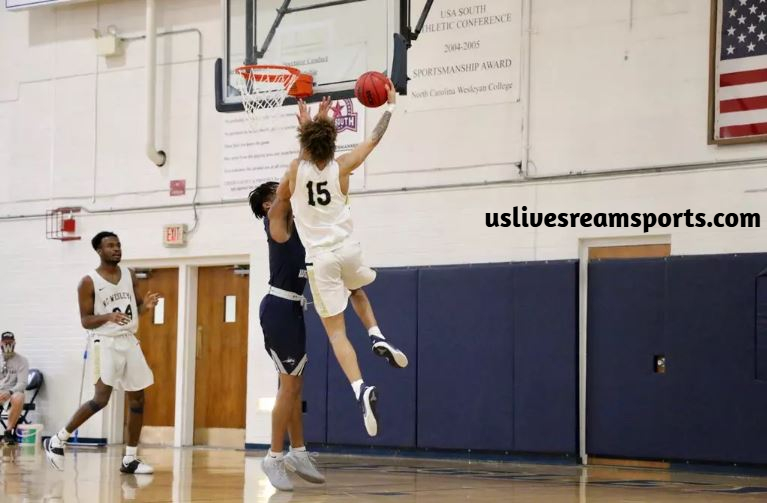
282	321
282	309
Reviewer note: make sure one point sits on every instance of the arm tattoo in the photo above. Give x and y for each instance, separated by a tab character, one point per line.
380	129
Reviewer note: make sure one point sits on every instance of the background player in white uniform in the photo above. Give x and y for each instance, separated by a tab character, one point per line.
109	309
317	186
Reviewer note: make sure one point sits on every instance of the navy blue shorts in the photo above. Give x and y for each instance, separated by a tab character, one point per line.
282	322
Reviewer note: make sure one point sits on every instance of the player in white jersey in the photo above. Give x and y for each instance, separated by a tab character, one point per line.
317	186
110	305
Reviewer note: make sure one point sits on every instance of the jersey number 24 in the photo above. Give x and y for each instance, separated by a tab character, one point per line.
128	311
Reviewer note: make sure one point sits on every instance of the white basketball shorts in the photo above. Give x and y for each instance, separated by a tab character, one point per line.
333	274
119	362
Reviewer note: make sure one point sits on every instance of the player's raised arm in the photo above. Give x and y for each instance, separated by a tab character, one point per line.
288	183
280	217
354	159
304	115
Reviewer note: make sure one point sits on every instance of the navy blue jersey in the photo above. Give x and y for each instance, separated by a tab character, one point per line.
287	262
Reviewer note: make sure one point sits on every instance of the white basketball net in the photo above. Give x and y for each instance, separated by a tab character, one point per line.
263	89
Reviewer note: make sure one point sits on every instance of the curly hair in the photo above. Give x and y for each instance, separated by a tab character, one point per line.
318	139
261	194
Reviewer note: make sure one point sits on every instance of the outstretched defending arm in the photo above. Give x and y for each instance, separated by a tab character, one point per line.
280	214
304	114
288	183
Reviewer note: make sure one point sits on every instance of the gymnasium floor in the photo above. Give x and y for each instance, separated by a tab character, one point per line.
223	476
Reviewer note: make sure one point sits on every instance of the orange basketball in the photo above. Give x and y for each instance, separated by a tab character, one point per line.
371	89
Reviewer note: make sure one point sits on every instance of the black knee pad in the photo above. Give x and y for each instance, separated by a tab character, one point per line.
137	410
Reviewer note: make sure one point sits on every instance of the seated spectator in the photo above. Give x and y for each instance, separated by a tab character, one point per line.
14	370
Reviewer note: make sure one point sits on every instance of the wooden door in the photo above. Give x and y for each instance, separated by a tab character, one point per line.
629	251
221	357
157	333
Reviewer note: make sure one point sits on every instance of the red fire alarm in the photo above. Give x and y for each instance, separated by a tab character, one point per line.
177	187
60	224
68	225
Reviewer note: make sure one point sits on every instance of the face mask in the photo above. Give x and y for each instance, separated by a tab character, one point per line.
8	349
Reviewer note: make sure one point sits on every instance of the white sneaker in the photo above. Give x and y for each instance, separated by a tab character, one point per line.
300	463
132	464
274	468
54	451
391	353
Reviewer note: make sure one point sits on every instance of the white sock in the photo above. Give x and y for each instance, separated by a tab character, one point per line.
357	386
275	455
131	451
298	449
63	435
375	331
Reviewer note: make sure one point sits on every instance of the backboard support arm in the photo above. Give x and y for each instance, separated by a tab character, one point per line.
281	13
406	29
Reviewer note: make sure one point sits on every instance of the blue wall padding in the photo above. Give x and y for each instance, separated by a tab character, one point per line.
394	297
626	400
315	377
545	299
701	312
465	357
493	360
761	326
719	407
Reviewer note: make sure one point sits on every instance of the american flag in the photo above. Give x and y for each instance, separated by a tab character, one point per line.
741	75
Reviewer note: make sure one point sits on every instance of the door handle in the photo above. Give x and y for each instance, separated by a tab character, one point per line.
198	345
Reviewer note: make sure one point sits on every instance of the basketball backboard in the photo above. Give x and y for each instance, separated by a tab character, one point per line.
334	41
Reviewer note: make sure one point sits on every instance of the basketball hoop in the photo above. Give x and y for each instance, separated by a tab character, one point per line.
266	86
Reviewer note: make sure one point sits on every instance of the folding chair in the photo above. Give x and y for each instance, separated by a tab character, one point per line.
34	383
